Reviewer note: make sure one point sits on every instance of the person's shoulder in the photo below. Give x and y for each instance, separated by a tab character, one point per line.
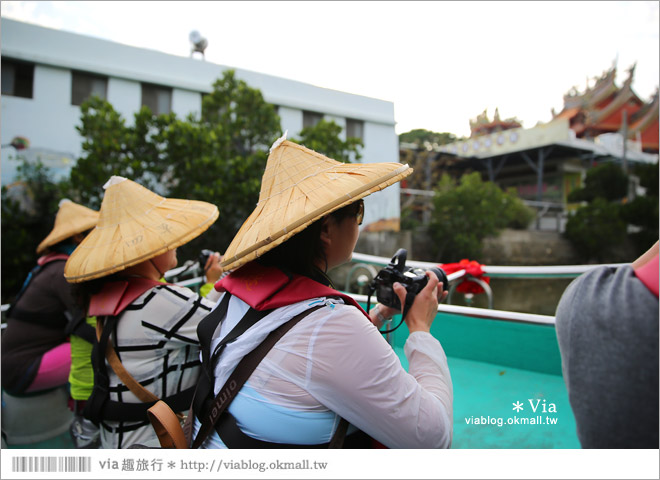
181	293
342	315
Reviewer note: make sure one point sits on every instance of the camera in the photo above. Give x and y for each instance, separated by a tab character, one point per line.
413	279
204	256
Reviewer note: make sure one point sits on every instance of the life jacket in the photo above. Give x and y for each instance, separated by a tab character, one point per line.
268	288
55	319
264	289
107	305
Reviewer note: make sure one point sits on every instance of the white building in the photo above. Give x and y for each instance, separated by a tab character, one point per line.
46	74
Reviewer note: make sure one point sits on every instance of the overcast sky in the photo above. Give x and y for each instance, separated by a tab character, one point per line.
440	63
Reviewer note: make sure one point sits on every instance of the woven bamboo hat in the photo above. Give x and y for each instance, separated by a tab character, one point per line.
300	186
70	220
135	225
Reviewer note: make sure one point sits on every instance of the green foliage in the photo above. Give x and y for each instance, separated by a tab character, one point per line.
324	138
648	177
28	214
642	211
606	181
595	229
218	157
466	213
426	138
600	226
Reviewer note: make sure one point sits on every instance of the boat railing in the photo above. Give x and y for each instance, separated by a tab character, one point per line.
368	265
548	271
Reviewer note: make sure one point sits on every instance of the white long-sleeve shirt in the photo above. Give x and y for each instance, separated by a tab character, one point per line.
334	363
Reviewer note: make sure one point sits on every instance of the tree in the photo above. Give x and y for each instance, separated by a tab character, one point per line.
427	139
642	211
218	157
465	213
601	224
606	181
112	148
29	206
324	138
595	229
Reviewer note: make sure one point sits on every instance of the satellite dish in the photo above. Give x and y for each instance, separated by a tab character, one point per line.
199	43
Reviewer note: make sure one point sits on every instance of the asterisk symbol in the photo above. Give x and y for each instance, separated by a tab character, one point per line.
517	406
171	464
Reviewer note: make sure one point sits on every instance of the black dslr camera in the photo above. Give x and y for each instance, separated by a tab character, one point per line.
412	278
203	257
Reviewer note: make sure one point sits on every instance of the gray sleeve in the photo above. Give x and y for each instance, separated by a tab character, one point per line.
607	329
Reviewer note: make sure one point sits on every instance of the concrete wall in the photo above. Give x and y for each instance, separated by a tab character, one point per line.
511	247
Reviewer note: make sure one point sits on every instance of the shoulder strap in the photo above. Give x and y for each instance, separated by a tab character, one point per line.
240	375
167	426
133	385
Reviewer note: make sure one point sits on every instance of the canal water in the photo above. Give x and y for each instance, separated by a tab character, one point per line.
539	296
536	295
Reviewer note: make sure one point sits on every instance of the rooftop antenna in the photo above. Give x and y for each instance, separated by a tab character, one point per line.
199	43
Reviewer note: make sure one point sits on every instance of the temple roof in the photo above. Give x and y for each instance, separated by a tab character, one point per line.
601	109
483	126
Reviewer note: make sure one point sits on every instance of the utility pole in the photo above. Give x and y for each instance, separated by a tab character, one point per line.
624	133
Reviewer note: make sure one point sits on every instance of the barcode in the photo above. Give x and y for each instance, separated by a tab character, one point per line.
51	464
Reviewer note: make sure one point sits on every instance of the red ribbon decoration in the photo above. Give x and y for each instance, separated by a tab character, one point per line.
472	268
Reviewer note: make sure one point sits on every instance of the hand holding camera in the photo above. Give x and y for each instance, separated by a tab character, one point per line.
210	261
397	285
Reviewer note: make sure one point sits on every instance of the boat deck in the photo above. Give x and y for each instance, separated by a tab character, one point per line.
494	364
486	392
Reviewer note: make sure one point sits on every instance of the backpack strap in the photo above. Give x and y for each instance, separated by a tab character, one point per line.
240	375
133	385
111	301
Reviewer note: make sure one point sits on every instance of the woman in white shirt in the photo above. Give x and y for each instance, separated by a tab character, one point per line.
333	364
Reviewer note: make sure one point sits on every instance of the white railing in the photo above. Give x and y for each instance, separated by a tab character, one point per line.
552	271
548	271
485	313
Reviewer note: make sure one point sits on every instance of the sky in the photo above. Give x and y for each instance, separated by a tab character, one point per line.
440	63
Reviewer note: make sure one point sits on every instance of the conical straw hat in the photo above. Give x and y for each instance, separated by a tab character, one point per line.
71	219
300	186
135	225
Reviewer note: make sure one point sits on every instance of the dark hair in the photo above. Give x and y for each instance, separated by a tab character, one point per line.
82	292
300	253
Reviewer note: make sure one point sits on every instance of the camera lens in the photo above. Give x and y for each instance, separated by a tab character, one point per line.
442	276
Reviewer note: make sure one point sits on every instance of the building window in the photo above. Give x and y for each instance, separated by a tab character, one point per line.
157	98
311	118
85	85
354	128
17	78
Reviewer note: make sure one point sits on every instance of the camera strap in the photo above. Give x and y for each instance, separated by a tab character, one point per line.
409	301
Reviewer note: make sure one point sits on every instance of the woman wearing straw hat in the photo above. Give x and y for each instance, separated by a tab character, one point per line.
333	367
147	342
36	354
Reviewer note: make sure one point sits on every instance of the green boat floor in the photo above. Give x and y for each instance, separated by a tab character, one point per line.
485	399
485	395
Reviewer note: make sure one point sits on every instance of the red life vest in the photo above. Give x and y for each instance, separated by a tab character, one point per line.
266	288
115	296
